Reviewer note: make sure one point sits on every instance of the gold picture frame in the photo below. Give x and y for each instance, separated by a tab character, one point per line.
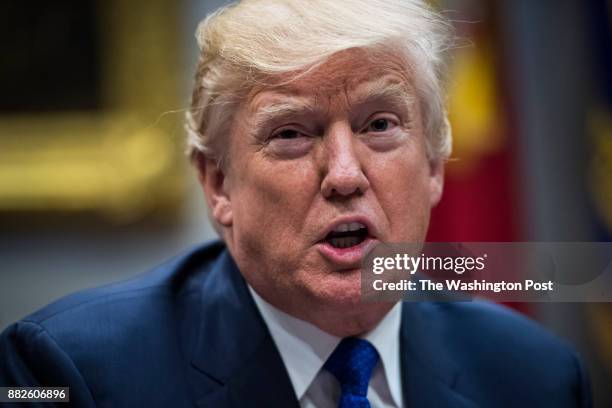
124	160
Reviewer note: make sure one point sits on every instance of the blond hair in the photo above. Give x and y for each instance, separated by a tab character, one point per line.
244	42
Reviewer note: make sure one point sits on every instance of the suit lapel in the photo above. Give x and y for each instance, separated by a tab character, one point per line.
429	373
235	362
235	352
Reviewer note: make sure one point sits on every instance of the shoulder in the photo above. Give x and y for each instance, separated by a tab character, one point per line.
92	330
177	277
499	350
494	330
475	321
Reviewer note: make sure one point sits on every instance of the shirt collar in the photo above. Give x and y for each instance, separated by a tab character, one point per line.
305	348
385	338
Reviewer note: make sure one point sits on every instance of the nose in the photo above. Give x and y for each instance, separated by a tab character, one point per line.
344	175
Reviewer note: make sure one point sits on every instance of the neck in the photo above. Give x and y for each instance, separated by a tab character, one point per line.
354	324
338	320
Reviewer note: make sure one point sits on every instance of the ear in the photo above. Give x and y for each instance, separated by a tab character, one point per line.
436	181
214	183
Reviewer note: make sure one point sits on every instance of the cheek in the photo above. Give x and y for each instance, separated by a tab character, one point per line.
272	201
401	184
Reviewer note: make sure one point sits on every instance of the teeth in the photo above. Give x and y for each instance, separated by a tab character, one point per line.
345	242
352	226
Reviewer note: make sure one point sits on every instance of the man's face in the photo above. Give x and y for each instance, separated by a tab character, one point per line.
322	168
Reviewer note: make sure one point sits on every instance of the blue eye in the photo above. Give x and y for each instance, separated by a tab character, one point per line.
379	125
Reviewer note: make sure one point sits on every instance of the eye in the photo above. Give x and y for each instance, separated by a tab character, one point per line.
380	125
383	131
287	134
289	142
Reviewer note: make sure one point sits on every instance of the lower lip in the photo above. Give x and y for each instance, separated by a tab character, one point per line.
346	258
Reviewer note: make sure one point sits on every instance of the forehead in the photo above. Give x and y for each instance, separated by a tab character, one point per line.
349	75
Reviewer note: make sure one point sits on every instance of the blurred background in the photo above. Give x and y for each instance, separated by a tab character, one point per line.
94	186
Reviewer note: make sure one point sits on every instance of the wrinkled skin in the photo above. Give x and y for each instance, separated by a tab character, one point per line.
334	142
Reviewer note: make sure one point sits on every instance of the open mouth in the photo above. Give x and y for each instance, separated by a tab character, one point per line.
347	235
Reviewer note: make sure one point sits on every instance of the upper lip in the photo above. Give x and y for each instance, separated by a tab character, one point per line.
362	219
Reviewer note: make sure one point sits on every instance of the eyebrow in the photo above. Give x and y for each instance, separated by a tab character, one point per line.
279	110
384	90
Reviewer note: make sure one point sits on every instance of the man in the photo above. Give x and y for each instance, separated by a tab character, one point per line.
318	130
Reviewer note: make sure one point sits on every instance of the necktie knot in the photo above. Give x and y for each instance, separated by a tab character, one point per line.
352	363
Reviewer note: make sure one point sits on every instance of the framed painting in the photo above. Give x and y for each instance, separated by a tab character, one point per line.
86	85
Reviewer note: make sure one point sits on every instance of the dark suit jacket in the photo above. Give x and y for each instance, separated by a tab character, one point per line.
188	334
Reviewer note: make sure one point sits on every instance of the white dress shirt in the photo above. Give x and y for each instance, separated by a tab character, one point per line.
305	348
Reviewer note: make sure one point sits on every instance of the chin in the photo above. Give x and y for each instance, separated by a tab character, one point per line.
338	289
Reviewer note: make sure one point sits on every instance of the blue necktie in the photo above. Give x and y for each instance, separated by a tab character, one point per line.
352	363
